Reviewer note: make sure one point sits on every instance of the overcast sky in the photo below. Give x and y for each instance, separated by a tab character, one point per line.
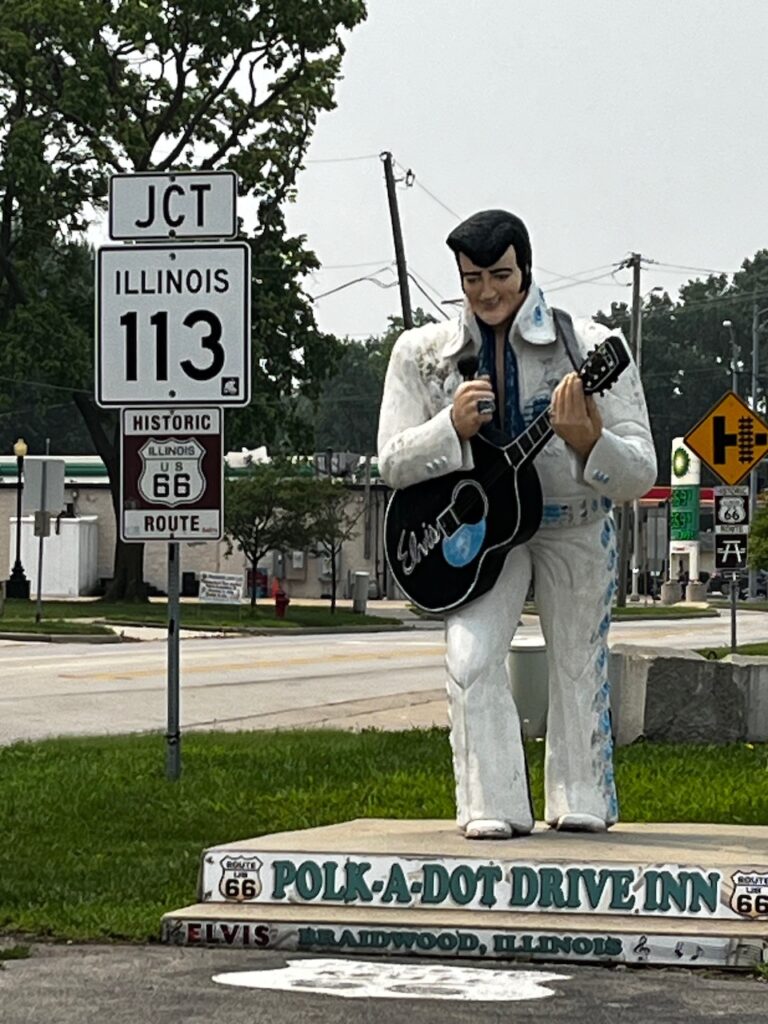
608	125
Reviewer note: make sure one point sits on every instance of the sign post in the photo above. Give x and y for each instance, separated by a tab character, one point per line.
731	439
173	344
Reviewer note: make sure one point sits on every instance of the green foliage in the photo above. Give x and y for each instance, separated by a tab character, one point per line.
266	509
89	88
348	411
332	519
758	538
687	353
122	844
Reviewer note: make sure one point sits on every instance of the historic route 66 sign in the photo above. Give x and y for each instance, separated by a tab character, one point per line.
172	474
172	471
731	509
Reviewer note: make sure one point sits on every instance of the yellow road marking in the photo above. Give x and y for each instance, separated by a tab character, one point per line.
222	666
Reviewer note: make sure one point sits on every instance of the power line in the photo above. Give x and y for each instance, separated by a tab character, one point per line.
356	280
587	280
343	159
428	297
577	274
677	266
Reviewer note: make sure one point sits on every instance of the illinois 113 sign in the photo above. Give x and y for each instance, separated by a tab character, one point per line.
172	474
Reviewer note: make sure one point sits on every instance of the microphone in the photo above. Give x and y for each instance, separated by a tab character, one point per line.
467	367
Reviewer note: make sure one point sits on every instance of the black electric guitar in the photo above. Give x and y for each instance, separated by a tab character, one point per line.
446	539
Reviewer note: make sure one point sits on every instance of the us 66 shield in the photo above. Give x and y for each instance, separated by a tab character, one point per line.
172	474
173	325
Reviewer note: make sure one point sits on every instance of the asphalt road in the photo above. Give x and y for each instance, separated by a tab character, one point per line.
385	680
160	985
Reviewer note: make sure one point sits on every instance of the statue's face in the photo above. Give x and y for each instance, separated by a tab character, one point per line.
494	293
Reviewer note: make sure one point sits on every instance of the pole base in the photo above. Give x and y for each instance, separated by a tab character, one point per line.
17	585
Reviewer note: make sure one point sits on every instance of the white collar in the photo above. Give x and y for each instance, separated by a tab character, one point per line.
533	322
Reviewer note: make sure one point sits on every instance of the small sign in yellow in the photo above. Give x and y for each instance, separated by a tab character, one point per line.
731	439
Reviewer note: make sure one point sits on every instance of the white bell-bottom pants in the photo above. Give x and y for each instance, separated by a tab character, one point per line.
574	570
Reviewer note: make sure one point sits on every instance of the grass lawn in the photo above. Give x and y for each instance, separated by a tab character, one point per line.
48	626
193	614
97	844
754	650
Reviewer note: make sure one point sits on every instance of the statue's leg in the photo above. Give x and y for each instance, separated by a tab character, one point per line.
575	570
488	755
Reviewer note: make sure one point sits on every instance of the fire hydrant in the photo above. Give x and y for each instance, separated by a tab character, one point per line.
281	603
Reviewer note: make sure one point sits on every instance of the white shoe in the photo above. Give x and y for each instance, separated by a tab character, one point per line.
580	823
488	828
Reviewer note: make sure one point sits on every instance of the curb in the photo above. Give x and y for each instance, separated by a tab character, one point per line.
273	631
67	638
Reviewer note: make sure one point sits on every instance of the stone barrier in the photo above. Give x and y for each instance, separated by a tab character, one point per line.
682	697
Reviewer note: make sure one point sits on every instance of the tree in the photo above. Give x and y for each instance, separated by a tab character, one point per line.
688	353
348	409
266	509
88	88
331	522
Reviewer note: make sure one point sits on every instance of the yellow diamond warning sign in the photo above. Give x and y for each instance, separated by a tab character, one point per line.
731	439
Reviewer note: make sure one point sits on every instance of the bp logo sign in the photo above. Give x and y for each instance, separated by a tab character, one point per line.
681	462
171	471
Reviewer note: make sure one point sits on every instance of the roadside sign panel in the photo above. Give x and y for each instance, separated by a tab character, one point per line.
221	588
731	439
730	551
41	495
180	205
731	509
173	325
172	474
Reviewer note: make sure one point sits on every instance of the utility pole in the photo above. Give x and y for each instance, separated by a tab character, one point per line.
753	475
636	346
394	214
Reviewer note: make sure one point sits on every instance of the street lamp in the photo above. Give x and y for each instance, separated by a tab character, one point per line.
18	584
734	355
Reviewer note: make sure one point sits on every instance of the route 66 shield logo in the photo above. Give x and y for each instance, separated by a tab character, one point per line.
732	510
750	894
171	471
240	878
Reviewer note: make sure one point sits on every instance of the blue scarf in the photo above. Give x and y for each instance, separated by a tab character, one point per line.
513	423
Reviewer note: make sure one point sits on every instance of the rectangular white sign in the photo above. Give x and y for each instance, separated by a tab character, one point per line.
35	497
173	325
221	588
179	204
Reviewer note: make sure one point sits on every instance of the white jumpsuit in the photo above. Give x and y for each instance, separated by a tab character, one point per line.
573	556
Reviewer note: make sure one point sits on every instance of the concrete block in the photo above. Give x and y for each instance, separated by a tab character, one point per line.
628	670
753	675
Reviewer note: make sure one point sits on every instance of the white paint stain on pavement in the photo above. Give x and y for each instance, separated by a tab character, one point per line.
366	980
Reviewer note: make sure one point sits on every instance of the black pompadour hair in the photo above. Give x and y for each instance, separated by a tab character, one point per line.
485	237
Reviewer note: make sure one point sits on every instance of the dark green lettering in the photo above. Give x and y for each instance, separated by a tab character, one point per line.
435	884
397	887
488	875
621	898
551	888
284	874
331	891
581	946
704	889
357	887
594	887
309	880
518	875
462	885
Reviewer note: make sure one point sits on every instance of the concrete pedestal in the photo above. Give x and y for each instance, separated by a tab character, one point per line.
527	664
696	592
670	593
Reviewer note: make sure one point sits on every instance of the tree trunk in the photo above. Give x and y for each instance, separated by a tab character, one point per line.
128	572
333	579
253	582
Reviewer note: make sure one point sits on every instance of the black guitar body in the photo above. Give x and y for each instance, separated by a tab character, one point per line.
447	538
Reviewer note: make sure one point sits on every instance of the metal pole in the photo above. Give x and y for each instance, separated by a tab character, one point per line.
394	214
636	344
43	510
734	588
173	733
752	592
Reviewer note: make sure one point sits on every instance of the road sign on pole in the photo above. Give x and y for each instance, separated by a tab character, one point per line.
731	439
180	204
173	325
172	478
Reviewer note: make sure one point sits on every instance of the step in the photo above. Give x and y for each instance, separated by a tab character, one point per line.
650	893
450	934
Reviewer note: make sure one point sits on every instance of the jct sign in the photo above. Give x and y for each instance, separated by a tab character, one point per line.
173	325
172	474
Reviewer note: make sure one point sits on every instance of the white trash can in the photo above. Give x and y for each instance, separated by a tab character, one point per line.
527	665
360	593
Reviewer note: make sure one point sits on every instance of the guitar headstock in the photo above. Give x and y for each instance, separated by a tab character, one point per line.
603	367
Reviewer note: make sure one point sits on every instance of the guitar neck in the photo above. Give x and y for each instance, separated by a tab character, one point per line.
528	444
